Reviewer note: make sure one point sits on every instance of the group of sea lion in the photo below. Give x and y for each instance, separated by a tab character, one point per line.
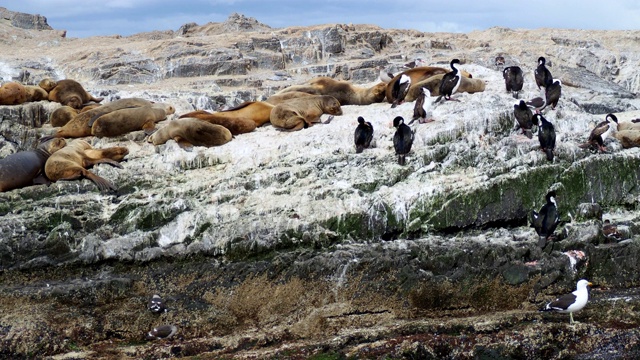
81	115
66	92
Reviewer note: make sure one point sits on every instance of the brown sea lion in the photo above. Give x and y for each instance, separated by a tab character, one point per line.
282	97
62	115
72	162
343	91
628	138
191	132
70	92
36	93
433	84
628	125
235	125
26	168
89	107
124	121
81	125
296	114
47	84
258	111
417	75
13	93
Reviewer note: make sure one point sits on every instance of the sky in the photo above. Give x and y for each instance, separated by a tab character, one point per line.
84	18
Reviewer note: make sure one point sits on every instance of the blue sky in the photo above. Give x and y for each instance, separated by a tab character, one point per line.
82	18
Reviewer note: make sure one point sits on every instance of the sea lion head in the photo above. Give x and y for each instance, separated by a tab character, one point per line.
52	145
48	84
331	105
74	101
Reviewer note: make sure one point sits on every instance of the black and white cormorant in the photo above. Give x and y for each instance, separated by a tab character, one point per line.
542	74
546	135
363	134
513	79
402	139
450	81
524	117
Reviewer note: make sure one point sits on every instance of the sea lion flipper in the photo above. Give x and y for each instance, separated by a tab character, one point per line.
149	128
194	114
41	180
103	184
184	144
329	119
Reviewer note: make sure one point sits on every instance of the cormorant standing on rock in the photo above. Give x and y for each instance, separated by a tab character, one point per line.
402	139
363	134
523	114
546	135
542	74
513	79
450	81
546	220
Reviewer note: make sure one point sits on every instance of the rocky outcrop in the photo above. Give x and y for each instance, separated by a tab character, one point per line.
25	21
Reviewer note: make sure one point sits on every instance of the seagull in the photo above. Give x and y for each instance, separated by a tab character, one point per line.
161	332
571	303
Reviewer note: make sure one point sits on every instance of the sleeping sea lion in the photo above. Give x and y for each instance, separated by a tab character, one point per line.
191	132
26	168
628	125
36	93
89	107
13	93
343	91
258	111
47	84
296	114
62	115
81	124
237	125
70	92
124	121
433	84
282	97
72	162
628	138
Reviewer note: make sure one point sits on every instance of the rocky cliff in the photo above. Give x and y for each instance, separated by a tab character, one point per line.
291	244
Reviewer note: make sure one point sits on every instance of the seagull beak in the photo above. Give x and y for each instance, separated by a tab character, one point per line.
589	284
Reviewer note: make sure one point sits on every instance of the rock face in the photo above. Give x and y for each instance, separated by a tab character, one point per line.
298	234
25	21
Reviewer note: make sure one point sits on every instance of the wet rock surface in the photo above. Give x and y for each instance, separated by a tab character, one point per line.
291	245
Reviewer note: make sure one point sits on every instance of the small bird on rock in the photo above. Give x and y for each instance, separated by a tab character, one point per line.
363	135
161	332
156	304
571	303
